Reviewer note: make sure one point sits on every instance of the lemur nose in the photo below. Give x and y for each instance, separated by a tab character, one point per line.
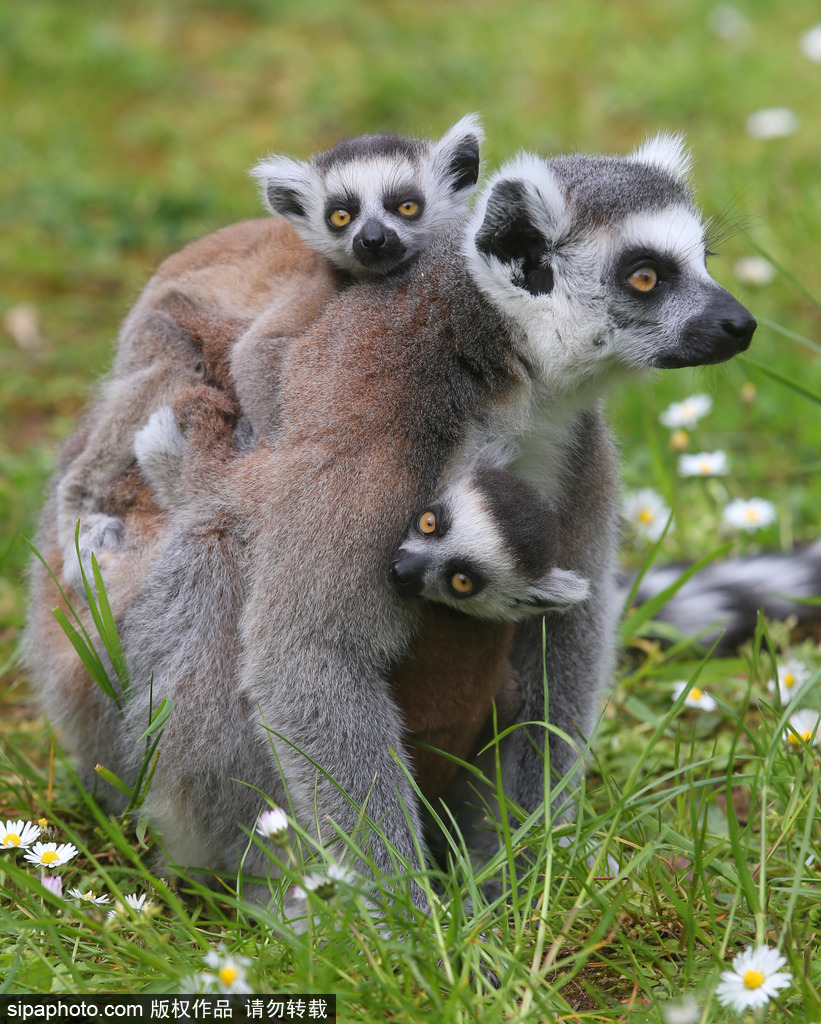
407	575
373	239
740	328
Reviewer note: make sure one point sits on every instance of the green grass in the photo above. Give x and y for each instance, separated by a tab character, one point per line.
125	131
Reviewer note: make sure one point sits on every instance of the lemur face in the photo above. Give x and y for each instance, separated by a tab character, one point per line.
456	552
372	203
601	261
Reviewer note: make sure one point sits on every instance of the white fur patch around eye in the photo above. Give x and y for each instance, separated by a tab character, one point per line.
473	533
369	179
675	232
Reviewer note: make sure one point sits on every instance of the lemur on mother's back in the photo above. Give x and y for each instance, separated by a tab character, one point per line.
366	208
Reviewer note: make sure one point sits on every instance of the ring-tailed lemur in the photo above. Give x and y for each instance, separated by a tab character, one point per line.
487	547
399	193
570	273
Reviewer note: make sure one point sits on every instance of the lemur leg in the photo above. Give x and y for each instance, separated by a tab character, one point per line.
578	653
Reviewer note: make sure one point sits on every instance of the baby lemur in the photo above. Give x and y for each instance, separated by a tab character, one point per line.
368	206
487	547
570	273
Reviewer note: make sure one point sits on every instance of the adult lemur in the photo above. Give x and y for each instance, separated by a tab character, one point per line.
570	273
368	206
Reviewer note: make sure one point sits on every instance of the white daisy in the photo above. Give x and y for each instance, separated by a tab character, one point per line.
230	971
803	727
646	512
339	874
792	675
704	464
754	979
686	413
88	897
15	834
50	855
755	271
273	824
811	44
750	515
138	903
772	123
683	1011
696	698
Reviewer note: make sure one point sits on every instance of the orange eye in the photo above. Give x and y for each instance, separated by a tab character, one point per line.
427	522
461	583
408	208
339	218
644	279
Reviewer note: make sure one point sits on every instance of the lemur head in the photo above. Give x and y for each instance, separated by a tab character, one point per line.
372	203
487	546
600	262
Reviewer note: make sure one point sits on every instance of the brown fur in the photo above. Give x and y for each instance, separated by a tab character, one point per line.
181	332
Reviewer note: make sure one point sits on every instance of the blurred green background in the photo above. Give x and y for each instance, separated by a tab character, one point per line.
126	130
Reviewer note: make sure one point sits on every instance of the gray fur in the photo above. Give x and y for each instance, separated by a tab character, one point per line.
507	328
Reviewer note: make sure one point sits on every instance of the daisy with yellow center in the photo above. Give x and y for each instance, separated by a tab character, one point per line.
88	897
803	727
16	834
704	464
749	515
696	697
755	978
230	971
50	855
686	413
792	676
646	512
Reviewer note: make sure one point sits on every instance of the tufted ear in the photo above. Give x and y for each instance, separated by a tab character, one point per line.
455	157
286	185
667	151
512	233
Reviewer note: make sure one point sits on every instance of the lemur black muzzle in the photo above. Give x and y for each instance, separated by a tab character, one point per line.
720	331
407	574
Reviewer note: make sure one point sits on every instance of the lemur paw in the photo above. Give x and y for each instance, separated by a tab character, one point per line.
99	535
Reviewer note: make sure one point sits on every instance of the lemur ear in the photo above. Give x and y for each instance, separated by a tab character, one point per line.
512	232
455	157
557	590
285	185
667	151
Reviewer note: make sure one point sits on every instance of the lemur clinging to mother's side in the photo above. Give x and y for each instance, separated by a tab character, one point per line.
367	206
